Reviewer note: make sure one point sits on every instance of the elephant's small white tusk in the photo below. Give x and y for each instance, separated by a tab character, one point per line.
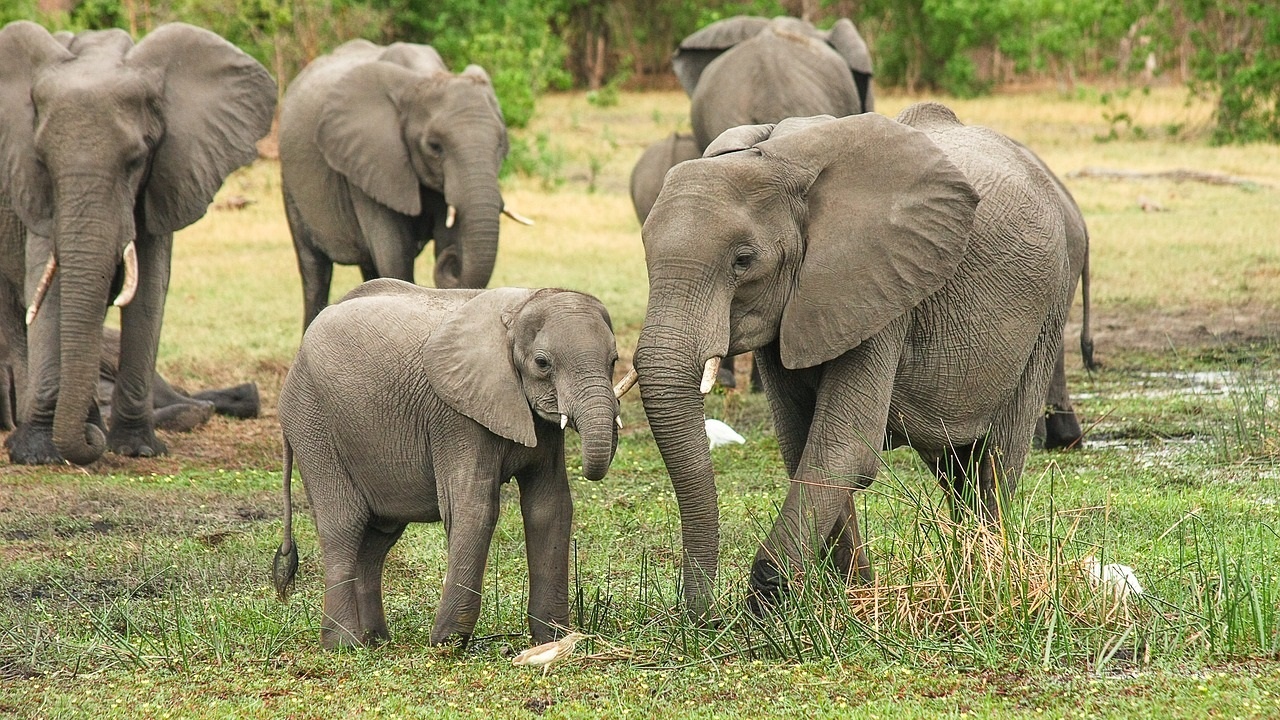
450	216
627	382
516	216
619	421
564	421
42	287
709	374
130	276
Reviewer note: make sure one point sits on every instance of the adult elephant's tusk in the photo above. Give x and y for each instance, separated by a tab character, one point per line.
42	287
130	276
564	421
450	216
709	374
627	382
618	420
516	216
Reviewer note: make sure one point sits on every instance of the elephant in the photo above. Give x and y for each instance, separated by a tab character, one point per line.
901	282
652	167
175	409
106	148
1059	427
382	150
748	70
411	404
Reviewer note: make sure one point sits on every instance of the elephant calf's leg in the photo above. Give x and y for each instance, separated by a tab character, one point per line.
369	562
469	524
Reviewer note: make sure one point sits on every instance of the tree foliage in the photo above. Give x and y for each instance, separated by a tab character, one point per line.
1228	49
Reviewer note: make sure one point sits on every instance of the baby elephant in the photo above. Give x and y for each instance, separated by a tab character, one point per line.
410	404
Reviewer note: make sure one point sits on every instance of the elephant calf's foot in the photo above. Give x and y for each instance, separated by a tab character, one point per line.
32	445
135	442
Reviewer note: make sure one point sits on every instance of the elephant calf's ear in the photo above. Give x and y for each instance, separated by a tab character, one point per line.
469	366
889	222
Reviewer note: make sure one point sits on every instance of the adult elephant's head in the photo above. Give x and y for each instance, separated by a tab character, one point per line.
510	354
700	49
812	235
414	136
103	142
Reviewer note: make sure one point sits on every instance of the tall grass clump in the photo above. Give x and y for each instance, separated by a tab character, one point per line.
1251	431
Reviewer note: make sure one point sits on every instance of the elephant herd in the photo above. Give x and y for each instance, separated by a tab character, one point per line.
900	282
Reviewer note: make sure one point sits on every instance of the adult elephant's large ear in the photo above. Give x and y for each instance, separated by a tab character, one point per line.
218	102
844	38
698	50
25	47
359	134
889	219
469	365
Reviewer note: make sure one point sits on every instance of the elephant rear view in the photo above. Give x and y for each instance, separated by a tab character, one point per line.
382	150
409	404
748	70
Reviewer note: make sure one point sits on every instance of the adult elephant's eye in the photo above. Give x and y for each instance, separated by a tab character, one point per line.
435	148
542	362
743	260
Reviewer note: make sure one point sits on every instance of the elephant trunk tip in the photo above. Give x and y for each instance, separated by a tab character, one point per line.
89	448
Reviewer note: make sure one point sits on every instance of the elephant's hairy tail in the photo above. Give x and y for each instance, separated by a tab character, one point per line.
1086	336
285	565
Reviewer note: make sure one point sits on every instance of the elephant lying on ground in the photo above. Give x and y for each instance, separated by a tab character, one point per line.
383	150
900	282
106	148
175	409
408	404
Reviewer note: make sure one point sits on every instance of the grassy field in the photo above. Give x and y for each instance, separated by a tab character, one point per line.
141	588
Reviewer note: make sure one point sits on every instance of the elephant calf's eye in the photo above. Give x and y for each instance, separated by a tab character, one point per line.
435	148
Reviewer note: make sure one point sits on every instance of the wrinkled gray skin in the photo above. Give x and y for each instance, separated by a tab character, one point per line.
103	142
900	283
652	167
749	70
409	404
175	409
375	144
1058	428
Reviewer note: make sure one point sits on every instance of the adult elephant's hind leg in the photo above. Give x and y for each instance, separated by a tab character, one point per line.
848	552
1059	428
375	544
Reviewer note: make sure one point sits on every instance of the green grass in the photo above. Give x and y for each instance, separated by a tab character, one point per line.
141	588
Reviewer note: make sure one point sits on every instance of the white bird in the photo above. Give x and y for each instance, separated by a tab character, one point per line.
548	653
721	434
1120	578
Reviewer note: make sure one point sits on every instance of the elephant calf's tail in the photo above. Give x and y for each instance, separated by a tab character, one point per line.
285	565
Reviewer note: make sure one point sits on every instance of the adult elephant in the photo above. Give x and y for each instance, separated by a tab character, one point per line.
749	70
106	148
899	281
382	150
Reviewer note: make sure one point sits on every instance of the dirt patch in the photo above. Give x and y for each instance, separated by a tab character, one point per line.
1119	332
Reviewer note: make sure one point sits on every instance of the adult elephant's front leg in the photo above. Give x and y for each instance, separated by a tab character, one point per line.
818	517
132	415
547	509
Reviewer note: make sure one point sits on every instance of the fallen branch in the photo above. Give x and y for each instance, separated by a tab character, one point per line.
1180	175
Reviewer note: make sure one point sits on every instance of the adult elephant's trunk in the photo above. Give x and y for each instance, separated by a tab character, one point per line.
670	363
473	193
86	268
595	419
